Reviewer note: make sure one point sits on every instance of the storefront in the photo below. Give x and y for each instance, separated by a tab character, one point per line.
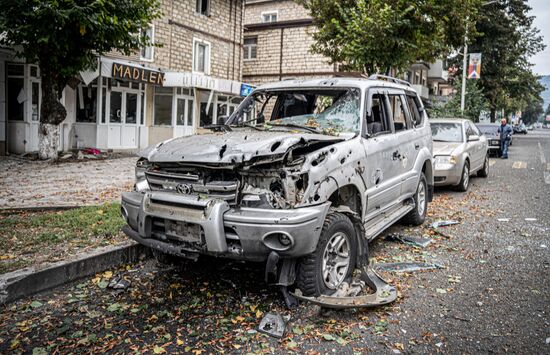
119	106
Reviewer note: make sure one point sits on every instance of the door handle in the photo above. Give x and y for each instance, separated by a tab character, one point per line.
396	155
417	146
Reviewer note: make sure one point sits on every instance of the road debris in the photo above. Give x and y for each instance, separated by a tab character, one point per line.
444	223
530	219
410	240
119	284
383	294
503	219
407	266
272	325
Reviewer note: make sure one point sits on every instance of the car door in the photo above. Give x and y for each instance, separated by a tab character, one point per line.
474	148
408	144
382	168
483	145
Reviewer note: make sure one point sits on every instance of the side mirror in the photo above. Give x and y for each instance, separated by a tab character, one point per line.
473	138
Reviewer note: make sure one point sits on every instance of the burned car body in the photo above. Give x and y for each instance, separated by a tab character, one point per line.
301	176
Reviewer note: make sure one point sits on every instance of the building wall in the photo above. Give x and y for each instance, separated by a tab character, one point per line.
181	23
286	10
283	48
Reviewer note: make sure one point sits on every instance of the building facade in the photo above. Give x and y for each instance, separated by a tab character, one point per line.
277	42
129	103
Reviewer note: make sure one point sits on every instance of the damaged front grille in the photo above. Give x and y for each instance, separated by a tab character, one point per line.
208	183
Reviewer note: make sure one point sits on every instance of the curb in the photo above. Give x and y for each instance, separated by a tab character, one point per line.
28	281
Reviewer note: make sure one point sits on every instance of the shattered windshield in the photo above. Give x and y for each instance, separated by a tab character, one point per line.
332	111
447	132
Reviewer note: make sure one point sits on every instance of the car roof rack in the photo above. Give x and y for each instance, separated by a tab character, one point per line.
390	79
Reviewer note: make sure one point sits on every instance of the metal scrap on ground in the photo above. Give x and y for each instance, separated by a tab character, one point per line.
407	266
444	223
272	325
409	239
383	293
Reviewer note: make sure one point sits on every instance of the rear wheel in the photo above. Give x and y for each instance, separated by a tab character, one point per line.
465	179
485	171
324	270
418	215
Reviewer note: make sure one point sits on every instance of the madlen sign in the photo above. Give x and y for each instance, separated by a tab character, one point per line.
142	75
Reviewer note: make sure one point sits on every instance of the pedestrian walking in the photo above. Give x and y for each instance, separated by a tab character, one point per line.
505	131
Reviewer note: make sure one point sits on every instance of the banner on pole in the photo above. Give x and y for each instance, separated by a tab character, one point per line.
474	69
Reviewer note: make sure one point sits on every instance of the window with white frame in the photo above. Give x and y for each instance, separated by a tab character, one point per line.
163	106
269	16
203	7
201	56
147	52
250	47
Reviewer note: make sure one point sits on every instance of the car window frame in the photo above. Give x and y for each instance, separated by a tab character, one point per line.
419	108
399	94
368	107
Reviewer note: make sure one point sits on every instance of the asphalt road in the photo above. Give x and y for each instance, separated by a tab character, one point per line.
492	296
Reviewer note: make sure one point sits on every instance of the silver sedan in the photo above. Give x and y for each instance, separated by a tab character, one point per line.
460	150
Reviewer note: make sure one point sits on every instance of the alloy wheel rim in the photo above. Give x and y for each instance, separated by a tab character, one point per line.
336	260
421	200
466	176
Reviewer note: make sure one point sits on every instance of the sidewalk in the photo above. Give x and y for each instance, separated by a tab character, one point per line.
25	183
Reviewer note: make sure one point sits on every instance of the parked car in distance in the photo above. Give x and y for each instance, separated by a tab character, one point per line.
300	177
490	130
459	150
520	129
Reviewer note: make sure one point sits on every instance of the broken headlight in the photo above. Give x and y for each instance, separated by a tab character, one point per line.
267	195
141	181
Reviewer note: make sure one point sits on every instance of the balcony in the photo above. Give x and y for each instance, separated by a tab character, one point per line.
438	73
422	91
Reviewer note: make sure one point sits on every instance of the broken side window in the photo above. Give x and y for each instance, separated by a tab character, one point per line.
377	119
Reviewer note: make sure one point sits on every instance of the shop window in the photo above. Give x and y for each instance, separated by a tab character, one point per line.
203	7
206	116
147	52
103	104
86	104
131	108
16	70
201	56
269	16
250	47
35	101
184	112
115	115
163	106
16	98
142	109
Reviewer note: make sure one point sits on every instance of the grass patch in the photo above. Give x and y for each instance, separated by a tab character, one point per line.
43	235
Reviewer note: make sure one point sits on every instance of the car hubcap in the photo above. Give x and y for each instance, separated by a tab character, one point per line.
421	198
336	260
466	176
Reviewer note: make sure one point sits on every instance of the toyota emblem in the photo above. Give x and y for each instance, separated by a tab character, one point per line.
184	189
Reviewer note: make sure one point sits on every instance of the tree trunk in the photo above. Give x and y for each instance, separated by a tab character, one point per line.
493	114
52	113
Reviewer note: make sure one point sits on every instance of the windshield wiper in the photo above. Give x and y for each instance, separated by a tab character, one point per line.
294	125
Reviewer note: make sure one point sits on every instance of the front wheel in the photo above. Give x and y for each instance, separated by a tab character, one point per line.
465	179
324	270
418	215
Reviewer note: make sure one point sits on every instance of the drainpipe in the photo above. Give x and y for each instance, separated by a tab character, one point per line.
281	55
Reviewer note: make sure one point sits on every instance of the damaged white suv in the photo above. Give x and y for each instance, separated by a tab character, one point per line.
301	176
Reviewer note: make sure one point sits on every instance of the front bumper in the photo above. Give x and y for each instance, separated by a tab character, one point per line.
211	226
447	176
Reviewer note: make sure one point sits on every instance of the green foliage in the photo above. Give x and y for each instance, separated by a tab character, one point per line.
65	37
507	41
373	36
532	112
474	104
